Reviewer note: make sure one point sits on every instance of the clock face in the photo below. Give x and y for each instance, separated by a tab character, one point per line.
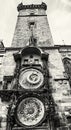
30	111
31	79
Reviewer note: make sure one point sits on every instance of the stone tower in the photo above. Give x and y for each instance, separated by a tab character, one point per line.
32	19
35	76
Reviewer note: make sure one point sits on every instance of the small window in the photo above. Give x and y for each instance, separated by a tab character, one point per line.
32	13
69	119
30	61
31	24
25	61
36	61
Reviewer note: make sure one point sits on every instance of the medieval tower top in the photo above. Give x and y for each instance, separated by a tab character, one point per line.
32	21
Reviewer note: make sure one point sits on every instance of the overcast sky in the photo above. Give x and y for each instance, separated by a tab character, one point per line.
58	13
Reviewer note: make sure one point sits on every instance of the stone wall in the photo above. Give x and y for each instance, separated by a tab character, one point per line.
41	30
59	82
57	79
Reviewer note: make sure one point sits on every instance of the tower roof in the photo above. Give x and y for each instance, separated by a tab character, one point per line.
32	6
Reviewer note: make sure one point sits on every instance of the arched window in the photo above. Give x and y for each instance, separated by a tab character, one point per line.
67	66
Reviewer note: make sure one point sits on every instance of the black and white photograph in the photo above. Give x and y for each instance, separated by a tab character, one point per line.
35	64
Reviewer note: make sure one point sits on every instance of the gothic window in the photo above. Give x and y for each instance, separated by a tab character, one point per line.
25	61
67	66
69	119
36	61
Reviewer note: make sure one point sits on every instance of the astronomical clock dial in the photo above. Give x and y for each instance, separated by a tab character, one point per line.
30	111
31	79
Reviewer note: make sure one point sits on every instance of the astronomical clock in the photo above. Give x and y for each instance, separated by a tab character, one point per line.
30	99
31	79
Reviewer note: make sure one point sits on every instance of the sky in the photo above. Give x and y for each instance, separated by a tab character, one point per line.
58	13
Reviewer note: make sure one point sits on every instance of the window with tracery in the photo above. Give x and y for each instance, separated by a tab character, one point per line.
67	66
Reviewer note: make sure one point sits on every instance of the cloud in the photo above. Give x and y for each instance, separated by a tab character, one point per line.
59	5
66	2
66	5
60	22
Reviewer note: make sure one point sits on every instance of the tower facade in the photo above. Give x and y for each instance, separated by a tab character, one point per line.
35	76
32	19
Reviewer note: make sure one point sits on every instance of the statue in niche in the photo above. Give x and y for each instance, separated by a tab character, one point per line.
33	41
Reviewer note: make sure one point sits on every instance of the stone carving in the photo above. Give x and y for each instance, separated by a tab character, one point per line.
31	79
30	111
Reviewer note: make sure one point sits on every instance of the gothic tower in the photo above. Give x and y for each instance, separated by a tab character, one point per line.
34	86
32	19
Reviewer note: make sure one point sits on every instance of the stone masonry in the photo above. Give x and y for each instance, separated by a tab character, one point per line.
34	16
